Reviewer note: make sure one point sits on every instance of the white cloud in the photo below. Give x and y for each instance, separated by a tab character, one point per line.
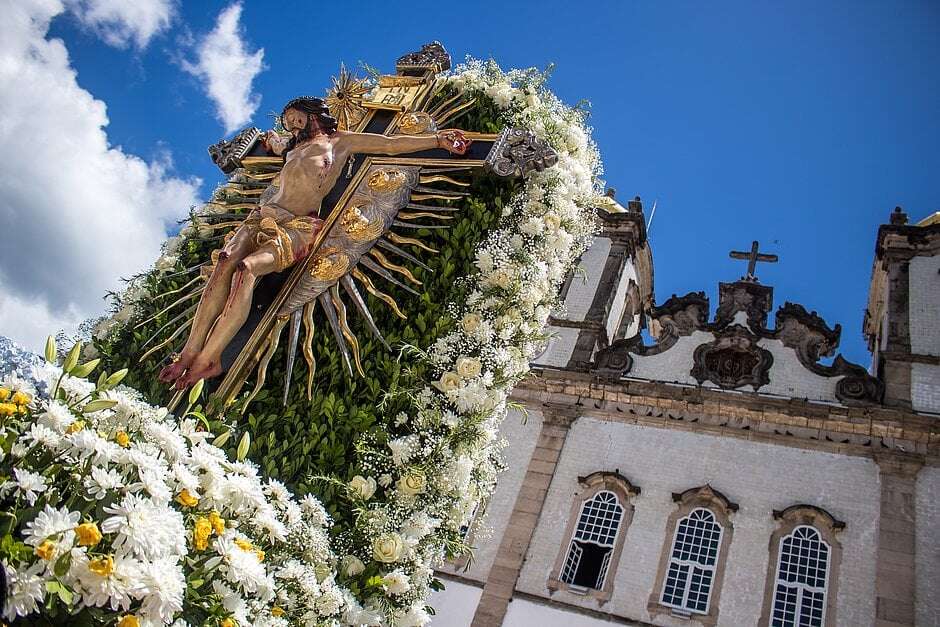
119	22
76	213
227	70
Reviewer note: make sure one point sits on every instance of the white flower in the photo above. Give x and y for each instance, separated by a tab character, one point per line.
50	522
330	602
164	584
314	510
28	484
385	480
277	491
448	382
25	590
42	436
468	367
396	582
352	565
56	417
415	617
116	588
470	323
402	448
145	528
102	481
388	548
240	566
362	487
412	483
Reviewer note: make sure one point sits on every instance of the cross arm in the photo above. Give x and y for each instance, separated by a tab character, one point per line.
374	143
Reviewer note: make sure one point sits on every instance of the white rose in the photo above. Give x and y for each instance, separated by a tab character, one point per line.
362	487
352	565
396	582
448	382
413	483
468	367
387	548
552	222
470	322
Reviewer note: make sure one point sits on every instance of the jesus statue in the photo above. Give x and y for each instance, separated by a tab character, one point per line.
281	231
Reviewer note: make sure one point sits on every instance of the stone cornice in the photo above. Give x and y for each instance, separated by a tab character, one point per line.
864	431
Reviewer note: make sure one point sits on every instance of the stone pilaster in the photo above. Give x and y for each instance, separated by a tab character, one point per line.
895	581
501	580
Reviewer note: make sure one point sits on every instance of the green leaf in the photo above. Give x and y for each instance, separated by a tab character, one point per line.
62	564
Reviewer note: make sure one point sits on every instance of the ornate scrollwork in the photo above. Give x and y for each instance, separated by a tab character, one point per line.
228	153
518	152
806	333
857	386
752	298
678	317
432	56
733	360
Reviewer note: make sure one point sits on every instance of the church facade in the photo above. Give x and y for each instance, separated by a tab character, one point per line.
723	474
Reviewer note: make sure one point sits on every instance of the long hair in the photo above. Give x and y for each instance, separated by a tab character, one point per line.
317	109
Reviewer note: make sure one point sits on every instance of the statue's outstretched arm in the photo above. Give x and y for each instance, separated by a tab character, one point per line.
452	140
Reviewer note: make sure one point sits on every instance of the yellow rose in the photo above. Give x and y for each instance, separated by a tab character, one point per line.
277	611
448	381
103	566
413	483
362	487
88	534
7	409
217	522
122	438
470	322
387	548
4	394
21	398
468	367
228	622
202	529
186	499
259	554
128	620
76	426
45	550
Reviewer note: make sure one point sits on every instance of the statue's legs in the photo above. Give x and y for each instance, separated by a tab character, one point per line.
207	363
211	303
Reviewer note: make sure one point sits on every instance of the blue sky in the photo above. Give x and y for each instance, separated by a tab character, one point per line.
797	124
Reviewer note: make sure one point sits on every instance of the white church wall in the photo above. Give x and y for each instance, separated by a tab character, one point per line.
759	477
455	604
525	613
927	547
620	300
924	305
925	387
559	347
521	438
673	365
583	286
788	377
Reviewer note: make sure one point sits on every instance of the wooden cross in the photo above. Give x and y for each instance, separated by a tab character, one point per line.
752	258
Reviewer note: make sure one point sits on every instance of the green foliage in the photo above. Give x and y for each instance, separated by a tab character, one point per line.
318	437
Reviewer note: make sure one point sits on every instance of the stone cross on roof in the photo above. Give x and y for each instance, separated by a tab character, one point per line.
753	257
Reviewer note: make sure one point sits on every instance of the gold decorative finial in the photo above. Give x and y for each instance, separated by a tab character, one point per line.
345	99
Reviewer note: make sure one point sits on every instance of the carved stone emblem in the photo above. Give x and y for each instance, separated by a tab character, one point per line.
431	56
518	152
752	298
733	360
228	153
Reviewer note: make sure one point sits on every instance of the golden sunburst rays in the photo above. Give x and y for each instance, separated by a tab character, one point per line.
429	119
345	99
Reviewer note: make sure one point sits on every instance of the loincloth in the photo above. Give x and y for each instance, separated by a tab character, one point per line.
289	237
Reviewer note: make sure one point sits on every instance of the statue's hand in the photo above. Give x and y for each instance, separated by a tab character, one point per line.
453	141
273	142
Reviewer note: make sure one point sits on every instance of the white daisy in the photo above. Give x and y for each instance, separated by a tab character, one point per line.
101	482
25	590
164	584
145	528
27	484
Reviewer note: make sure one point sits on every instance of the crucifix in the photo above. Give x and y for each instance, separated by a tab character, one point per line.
753	256
396	156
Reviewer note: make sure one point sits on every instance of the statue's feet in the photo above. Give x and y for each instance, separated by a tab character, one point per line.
199	370
174	371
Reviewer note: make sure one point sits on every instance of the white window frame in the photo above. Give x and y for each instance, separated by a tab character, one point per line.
801	588
573	557
690	564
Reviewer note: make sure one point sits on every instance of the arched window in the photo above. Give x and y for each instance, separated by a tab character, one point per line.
692	562
599	519
802	574
593	542
692	565
805	554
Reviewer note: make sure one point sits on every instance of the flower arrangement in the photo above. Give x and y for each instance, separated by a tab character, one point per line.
110	507
408	493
